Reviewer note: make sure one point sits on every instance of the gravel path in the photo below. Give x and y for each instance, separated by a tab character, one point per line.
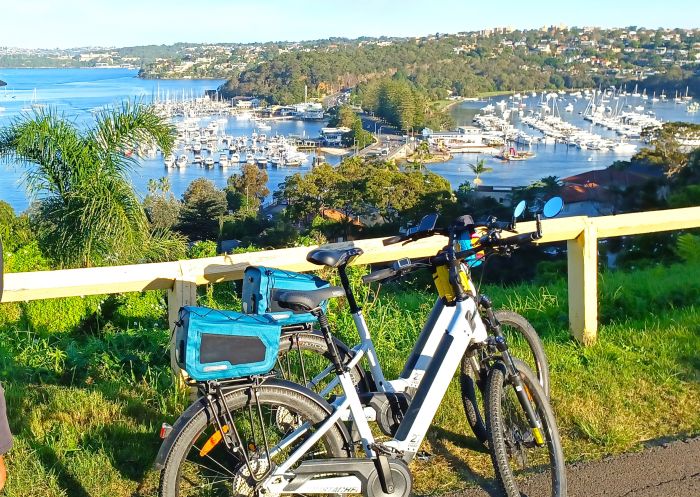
666	470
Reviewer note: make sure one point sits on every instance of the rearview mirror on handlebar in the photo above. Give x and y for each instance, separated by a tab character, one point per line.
552	207
519	209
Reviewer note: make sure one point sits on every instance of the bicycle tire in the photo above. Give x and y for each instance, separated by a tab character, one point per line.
272	394
522	467
472	383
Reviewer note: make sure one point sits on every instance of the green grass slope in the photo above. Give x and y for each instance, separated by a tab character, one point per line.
86	406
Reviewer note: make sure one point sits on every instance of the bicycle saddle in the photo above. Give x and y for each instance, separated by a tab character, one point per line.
333	257
305	300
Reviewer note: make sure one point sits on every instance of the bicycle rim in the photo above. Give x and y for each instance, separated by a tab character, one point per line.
523	467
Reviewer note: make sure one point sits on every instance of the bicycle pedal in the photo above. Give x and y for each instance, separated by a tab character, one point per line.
422	455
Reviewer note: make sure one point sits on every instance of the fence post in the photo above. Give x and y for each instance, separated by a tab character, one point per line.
184	292
583	284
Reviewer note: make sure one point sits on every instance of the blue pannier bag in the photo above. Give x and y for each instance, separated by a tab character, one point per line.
213	345
260	284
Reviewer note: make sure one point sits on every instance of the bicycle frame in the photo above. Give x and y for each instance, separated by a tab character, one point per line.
449	331
415	366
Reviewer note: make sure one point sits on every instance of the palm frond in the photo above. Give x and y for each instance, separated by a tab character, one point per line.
49	146
119	132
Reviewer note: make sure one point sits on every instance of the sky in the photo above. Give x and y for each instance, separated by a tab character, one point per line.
80	23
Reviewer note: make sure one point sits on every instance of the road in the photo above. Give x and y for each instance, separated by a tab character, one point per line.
389	138
665	470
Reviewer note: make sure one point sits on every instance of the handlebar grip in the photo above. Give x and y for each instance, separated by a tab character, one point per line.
378	275
521	239
392	240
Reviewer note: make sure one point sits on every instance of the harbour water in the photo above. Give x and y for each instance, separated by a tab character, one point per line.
79	92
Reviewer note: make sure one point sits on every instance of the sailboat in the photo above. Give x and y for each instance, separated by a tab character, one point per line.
35	104
687	98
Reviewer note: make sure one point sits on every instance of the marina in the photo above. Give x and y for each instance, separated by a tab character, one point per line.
561	147
216	138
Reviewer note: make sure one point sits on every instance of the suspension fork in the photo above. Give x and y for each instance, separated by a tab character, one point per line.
512	373
513	377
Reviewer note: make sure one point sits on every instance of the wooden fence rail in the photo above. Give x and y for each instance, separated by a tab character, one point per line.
181	278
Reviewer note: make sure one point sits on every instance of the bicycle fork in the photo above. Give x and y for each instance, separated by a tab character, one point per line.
512	373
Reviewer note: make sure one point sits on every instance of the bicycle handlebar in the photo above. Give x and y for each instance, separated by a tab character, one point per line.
485	242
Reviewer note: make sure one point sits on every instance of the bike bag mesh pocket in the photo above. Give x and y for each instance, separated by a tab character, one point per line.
260	284
213	345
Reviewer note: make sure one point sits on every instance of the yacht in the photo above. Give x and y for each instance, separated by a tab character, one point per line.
182	161
209	162
624	147
169	160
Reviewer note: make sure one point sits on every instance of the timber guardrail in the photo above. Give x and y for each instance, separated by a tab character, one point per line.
181	278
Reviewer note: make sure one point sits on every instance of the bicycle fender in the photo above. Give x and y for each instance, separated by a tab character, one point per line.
165	447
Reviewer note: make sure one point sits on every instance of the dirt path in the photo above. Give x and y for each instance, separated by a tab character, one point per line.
667	470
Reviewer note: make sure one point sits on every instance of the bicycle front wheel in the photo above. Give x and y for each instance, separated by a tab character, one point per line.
527	462
199	464
523	343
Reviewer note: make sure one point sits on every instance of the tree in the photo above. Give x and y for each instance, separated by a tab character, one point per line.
669	150
547	186
480	168
88	212
203	208
245	191
162	208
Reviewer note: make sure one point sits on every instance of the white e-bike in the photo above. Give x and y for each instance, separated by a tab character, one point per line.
266	436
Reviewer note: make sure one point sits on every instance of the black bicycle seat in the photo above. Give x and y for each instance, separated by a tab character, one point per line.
333	257
305	300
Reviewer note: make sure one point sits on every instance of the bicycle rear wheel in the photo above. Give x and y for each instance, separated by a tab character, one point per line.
524	466
304	358
197	466
523	343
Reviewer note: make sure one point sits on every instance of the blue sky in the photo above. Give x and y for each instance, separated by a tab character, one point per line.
71	23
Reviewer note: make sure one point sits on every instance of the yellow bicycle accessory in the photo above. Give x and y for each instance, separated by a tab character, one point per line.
441	277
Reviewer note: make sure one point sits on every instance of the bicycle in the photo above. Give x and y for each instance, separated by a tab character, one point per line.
282	438
507	323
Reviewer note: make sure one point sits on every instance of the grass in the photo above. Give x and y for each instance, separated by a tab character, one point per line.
86	406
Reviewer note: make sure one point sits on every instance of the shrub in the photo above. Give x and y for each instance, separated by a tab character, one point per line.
201	249
10	314
27	258
139	310
60	315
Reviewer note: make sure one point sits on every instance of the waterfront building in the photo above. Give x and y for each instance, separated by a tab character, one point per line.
333	137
